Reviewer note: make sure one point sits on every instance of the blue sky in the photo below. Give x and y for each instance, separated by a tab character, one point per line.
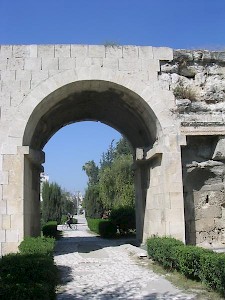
186	24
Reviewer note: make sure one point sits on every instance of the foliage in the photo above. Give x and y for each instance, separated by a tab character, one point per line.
104	228
182	92
107	229
212	271
39	245
27	276
194	262
92	202
50	229
92	172
51	205
123	218
162	250
112	184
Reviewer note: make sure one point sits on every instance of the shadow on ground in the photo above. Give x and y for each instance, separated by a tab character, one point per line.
68	245
119	292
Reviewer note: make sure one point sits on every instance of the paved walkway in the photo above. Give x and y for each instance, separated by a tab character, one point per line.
95	268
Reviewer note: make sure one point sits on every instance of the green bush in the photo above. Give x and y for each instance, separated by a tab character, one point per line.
19	273
194	262
104	228
188	258
161	249
50	229
123	218
39	245
213	271
107	229
93	224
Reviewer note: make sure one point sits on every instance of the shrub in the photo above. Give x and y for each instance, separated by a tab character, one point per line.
93	224
50	229
39	245
107	229
182	92
123	218
194	262
213	271
188	258
162	250
19	273
104	228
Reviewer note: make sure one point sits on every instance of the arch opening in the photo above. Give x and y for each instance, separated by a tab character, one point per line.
101	101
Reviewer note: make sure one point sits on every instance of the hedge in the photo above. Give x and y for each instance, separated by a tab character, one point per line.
27	276
104	228
39	245
30	274
192	261
50	229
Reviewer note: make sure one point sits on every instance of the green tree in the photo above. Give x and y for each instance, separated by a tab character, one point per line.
52	202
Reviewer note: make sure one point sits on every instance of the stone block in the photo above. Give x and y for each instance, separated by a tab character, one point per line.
5	99
163	53
96	51
16	98
208	212
14	206
111	63
4	177
129	64
10	247
67	63
15	64
50	63
6	51
10	85
2	236
205	224
8	75
62	50
23	75
130	52
3	63
83	62
3	206
39	75
150	65
32	64
25	85
12	236
176	200
6	222
113	52
46	51
21	51
145	52
79	51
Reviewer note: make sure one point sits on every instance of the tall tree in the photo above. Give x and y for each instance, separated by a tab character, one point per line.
52	202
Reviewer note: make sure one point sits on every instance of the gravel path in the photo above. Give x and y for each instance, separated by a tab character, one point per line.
95	268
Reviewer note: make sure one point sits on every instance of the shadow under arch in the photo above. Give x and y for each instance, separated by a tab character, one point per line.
90	100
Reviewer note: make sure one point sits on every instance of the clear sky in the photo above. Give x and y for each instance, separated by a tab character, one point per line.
186	24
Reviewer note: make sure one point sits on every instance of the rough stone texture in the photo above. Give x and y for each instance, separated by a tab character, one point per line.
135	90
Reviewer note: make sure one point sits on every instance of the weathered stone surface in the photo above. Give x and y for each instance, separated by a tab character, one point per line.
135	90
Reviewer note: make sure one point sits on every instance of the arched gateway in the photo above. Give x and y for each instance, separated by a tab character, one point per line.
44	88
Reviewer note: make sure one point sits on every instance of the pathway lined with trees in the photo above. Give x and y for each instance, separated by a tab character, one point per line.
96	268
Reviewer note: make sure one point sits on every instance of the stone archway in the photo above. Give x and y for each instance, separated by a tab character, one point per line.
139	110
